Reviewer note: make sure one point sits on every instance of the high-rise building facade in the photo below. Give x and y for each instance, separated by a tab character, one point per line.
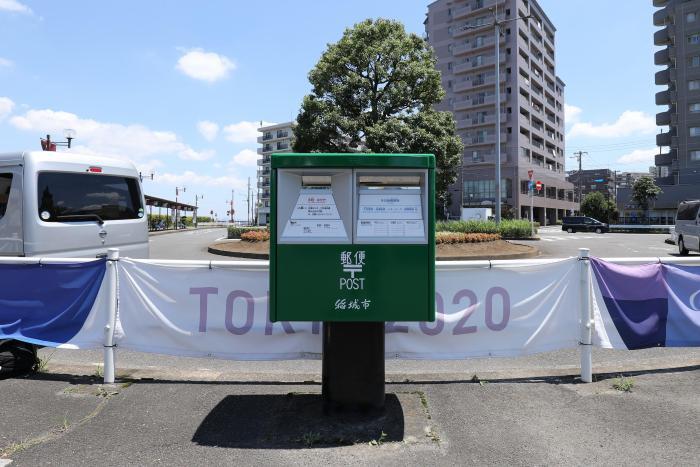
531	105
275	138
678	161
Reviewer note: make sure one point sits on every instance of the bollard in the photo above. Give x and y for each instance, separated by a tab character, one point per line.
586	321
112	258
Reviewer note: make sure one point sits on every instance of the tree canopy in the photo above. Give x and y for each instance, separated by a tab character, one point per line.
645	190
595	205
374	91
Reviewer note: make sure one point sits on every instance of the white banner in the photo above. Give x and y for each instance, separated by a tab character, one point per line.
222	312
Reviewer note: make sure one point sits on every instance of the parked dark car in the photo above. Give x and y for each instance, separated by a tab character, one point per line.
583	224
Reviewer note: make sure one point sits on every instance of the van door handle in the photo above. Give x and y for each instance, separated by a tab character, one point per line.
103	233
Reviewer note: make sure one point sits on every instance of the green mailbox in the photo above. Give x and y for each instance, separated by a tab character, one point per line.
352	237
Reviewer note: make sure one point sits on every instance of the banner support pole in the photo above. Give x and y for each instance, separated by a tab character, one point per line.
586	332
112	258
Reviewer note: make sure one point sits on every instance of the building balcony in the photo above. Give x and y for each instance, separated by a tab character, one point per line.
664	36
670	180
665	97
663	139
488	139
662	16
666	158
663	118
476	8
475	45
474	64
462	86
663	56
660	3
477	102
663	77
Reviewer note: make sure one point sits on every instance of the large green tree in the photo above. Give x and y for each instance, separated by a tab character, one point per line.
374	91
643	191
595	205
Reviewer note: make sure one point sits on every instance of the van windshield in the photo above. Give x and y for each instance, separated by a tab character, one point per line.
63	195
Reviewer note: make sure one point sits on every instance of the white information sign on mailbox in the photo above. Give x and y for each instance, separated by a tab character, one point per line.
390	213
315	215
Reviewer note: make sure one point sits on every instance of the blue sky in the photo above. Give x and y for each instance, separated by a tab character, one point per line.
179	86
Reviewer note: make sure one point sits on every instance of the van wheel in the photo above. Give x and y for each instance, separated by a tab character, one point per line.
570	230
681	247
598	230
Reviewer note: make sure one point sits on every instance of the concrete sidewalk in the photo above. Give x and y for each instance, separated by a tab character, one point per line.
63	418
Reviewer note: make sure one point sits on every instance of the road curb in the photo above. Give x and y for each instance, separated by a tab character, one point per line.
524	255
391	377
167	232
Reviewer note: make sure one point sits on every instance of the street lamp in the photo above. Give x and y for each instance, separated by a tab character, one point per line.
142	176
177	208
497	33
48	145
196	199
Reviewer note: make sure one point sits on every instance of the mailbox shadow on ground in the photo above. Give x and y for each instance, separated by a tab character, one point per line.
294	421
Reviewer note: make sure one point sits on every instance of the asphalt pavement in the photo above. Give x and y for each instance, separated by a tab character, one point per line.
518	411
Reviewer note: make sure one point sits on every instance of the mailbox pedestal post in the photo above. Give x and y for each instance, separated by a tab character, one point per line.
352	245
353	367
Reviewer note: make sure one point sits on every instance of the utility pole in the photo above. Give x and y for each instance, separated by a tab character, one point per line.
248	200
232	193
579	156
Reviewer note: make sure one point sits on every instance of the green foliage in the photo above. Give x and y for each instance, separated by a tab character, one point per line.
373	91
645	190
596	206
235	232
507	228
623	384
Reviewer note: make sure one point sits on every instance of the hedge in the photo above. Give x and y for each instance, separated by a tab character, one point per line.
235	231
507	228
459	237
255	236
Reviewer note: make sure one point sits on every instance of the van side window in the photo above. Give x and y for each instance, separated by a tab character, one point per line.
687	211
5	185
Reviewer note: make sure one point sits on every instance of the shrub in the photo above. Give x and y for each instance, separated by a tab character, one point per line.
235	232
507	228
459	237
259	235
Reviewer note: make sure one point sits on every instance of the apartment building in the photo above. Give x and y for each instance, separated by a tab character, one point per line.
677	169
592	181
531	107
275	138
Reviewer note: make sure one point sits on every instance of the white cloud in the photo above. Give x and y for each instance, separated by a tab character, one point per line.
639	156
130	142
244	132
6	63
189	178
208	129
205	66
246	157
14	6
6	106
629	123
571	113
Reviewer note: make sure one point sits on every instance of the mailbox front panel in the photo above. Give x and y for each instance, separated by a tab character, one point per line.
352	243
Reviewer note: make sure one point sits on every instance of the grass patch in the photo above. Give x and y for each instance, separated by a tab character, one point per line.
99	372
310	438
623	384
43	363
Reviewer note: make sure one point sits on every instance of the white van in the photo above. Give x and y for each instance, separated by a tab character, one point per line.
687	230
63	204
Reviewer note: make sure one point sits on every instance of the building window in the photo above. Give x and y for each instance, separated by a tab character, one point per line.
694	156
694	108
479	192
694	61
694	85
694	131
691	17
694	39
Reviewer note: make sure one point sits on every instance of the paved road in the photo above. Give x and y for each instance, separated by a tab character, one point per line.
186	245
554	243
